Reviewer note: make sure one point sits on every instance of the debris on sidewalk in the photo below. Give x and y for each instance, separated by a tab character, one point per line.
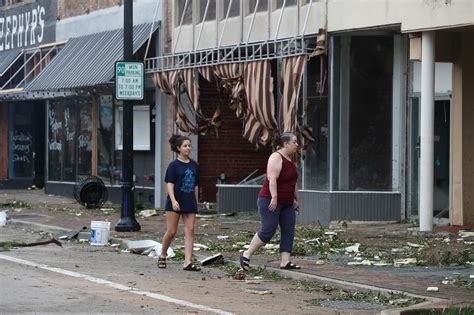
260	291
11	244
214	259
198	247
3	218
353	249
71	234
147	247
403	262
148	213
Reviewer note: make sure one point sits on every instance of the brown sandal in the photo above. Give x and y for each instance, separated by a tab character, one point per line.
161	262
192	267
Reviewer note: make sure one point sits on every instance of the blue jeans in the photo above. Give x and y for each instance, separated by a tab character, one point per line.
284	216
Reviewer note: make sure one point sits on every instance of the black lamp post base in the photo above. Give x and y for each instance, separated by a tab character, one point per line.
127	225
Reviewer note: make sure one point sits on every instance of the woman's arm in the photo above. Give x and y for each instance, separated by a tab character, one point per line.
196	193
170	190
273	172
297	198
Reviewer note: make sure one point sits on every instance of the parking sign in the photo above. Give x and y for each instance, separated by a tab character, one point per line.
129	80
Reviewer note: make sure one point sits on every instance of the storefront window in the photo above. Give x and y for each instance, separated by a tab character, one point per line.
316	122
69	139
363	113
21	141
105	141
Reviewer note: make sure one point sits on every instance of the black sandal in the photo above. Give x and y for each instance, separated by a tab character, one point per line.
244	262
192	267
161	262
290	266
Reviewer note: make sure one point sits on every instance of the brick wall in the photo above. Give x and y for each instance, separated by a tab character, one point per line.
230	153
69	8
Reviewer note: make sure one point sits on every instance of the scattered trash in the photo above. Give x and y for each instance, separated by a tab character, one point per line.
353	249
466	233
320	262
3	218
198	246
240	275
148	213
398	301
271	246
222	237
260	291
432	289
9	244
70	235
147	247
406	261
217	258
100	233
414	245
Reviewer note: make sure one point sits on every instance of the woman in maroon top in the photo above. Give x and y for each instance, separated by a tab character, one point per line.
277	202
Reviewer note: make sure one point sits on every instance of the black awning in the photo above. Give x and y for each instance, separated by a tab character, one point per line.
7	58
88	60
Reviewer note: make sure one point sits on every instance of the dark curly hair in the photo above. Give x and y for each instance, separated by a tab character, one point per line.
176	141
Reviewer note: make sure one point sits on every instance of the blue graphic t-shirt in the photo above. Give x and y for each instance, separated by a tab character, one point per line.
184	176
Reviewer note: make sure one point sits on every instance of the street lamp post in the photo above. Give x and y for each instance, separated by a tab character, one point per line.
127	220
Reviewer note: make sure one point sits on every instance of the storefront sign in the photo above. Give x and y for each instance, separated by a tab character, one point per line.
129	80
28	25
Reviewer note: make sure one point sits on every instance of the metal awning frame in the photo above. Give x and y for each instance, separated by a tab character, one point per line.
270	49
28	55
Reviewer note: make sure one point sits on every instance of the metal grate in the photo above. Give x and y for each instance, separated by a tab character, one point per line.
271	49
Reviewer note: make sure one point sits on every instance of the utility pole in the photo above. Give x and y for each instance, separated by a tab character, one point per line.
127	220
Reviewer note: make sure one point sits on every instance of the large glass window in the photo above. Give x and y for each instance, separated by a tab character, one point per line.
262	6
316	122
69	138
211	10
288	3
105	141
188	14
363	113
234	9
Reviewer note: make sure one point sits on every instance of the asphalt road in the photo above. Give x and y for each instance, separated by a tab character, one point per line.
79	278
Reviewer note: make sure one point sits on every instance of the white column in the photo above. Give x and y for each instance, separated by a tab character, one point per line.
427	130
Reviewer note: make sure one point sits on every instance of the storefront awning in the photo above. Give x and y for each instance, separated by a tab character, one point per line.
7	58
88	60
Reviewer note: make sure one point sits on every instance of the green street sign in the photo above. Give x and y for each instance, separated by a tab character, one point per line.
129	80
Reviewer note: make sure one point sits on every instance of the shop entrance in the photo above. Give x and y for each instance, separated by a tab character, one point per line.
441	157
26	137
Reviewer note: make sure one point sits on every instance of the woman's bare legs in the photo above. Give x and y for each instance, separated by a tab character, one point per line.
189	223
172	219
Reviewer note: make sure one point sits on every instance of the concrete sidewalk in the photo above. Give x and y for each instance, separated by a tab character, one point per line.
59	214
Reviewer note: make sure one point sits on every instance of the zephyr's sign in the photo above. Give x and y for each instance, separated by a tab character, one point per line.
28	25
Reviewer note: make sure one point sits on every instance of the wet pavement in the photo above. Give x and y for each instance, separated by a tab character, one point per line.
33	209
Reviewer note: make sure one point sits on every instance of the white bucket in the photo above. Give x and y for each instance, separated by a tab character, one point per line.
100	233
3	218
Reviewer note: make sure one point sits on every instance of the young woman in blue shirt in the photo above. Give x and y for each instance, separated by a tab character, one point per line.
182	185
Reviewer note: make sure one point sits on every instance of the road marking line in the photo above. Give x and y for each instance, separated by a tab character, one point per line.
115	285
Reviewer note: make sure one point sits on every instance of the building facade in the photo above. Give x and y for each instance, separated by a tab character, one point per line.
358	107
59	115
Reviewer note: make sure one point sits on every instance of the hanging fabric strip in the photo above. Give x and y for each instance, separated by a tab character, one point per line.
258	84
291	74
